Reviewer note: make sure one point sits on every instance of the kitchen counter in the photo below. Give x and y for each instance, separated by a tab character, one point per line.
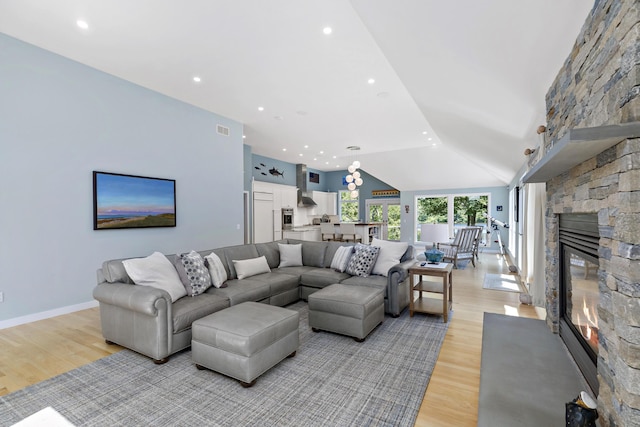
368	230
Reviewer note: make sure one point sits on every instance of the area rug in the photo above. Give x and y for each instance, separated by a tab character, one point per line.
502	282
526	374
332	380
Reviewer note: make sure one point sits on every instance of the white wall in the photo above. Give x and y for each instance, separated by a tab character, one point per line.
59	121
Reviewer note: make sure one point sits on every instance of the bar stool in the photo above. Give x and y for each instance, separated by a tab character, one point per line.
328	231
348	231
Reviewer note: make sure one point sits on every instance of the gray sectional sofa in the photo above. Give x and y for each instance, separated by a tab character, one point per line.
144	319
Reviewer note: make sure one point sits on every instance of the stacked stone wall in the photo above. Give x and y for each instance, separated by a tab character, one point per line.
599	84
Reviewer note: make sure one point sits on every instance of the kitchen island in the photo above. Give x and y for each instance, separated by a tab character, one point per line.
368	230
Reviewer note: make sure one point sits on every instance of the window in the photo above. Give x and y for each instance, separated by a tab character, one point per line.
349	207
456	210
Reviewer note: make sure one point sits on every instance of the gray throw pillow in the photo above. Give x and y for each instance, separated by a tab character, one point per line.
363	260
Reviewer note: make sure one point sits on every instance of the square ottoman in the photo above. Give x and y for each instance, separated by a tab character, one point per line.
245	340
346	309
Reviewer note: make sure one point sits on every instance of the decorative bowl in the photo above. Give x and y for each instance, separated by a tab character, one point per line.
434	255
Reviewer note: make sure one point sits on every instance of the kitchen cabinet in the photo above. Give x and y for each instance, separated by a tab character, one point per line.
327	202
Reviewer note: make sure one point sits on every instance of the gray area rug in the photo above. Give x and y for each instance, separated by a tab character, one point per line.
332	380
502	282
527	375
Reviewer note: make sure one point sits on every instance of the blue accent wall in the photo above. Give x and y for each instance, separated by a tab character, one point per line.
59	121
275	171
369	184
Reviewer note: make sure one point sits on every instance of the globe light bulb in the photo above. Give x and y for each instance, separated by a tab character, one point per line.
354	194
356	164
351	186
351	169
359	182
356	175
349	178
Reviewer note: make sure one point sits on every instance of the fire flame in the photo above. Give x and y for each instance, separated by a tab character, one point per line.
592	319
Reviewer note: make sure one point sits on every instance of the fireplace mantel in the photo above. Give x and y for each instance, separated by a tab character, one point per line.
577	146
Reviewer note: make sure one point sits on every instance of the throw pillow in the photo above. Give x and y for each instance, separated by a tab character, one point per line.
290	255
363	260
155	271
390	254
250	267
192	272
216	270
341	258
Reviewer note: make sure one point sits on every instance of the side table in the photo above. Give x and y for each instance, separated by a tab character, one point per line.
429	304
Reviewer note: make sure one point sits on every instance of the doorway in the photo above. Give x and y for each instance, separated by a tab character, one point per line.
386	212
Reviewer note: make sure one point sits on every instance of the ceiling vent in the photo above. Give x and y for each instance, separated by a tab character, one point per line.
223	130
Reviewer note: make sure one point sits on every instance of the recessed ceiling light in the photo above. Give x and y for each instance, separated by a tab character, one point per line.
424	132
197	79
371	81
326	163
327	30
260	108
82	24
314	159
429	139
244	136
300	154
306	146
434	144
284	149
335	157
321	152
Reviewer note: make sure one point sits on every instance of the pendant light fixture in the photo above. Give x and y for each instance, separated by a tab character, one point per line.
354	179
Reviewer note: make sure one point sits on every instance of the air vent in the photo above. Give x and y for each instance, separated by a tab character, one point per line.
223	130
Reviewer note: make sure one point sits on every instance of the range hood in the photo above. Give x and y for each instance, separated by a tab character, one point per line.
304	198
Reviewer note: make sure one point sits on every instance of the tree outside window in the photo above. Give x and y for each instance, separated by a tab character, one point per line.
349	207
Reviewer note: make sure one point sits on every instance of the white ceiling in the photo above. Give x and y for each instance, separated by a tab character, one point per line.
472	74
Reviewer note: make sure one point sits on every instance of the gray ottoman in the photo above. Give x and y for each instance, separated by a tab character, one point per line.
346	309
245	340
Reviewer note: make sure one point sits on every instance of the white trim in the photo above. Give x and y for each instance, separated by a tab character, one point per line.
46	314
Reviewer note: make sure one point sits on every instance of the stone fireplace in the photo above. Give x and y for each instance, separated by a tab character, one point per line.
591	165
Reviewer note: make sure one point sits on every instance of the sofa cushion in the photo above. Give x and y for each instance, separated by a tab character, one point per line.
238	252
278	282
114	271
293	271
238	291
193	273
363	260
217	271
290	255
390	254
156	271
186	310
312	252
250	267
270	251
379	282
321	277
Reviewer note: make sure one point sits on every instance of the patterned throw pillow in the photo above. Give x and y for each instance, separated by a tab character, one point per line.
193	273
341	258
363	260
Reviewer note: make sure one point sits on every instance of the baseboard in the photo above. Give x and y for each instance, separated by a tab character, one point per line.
46	314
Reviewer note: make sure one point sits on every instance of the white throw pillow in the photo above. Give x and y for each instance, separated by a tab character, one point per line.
290	255
216	270
156	271
341	258
390	254
250	267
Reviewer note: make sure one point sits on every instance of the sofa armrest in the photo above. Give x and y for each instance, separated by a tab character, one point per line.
397	287
141	299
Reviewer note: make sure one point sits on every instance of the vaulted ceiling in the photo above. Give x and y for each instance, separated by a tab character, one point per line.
437	94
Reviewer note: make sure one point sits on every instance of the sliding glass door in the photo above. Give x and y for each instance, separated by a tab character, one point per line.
386	212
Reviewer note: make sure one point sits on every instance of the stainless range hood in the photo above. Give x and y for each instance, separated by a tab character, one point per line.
304	198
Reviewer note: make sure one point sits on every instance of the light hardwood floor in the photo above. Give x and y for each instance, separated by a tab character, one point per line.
36	351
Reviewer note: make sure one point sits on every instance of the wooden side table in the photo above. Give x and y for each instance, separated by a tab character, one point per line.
430	304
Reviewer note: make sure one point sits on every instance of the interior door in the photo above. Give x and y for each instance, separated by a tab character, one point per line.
388	213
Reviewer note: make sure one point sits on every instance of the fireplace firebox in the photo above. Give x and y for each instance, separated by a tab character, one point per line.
579	292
